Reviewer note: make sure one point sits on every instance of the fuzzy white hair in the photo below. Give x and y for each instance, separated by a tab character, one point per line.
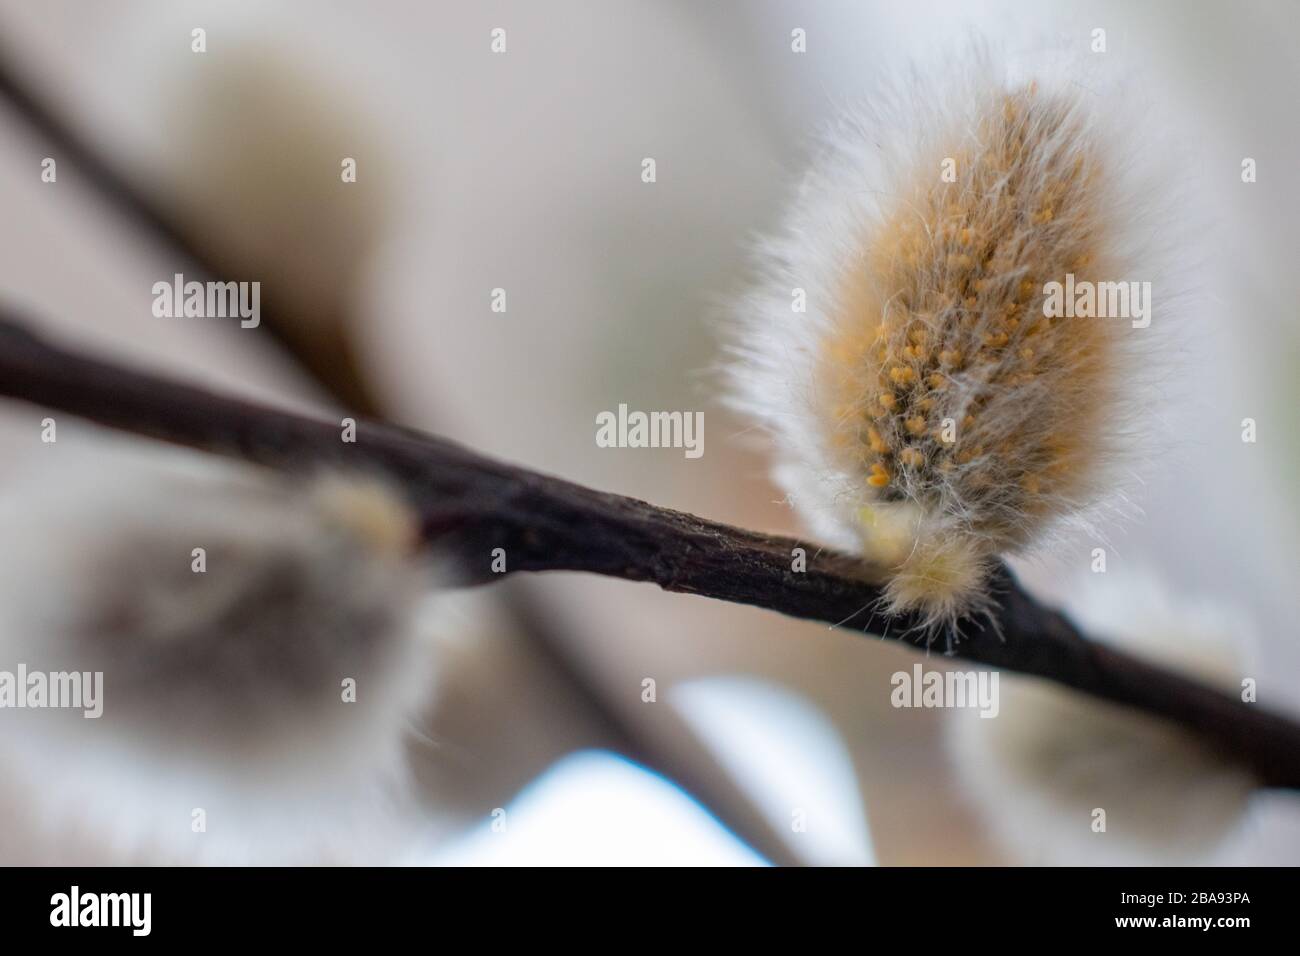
923	312
223	681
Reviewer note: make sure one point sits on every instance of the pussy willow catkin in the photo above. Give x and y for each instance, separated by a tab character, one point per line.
255	644
225	608
928	411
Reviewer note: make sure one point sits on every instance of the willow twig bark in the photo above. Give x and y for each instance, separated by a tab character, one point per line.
471	505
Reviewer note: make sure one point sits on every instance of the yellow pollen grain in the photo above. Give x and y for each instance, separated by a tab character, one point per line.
902	374
911	457
879	476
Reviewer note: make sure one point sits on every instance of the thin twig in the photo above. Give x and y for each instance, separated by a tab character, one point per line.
471	504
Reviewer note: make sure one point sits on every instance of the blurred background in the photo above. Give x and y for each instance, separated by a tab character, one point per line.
768	740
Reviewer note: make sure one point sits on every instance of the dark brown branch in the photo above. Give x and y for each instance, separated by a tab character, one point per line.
321	346
472	504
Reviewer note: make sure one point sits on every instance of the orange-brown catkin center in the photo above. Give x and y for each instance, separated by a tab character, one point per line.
947	385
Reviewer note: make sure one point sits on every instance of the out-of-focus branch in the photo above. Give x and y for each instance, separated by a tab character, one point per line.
330	361
471	505
323	349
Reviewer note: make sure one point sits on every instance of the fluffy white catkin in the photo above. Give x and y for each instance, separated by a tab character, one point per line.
1063	779
926	412
227	671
